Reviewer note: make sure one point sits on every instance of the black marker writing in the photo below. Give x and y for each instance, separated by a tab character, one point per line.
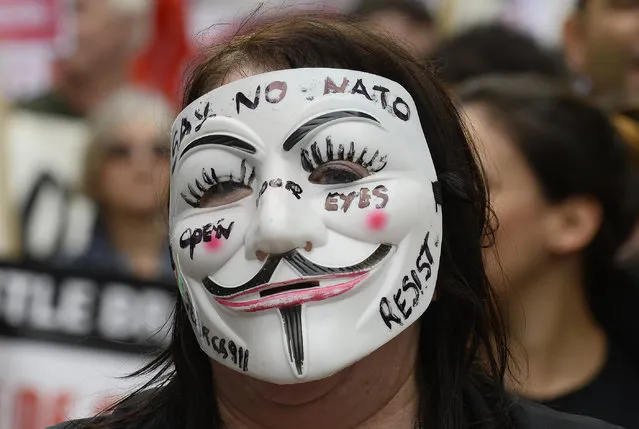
359	88
175	144
294	188
202	117
276	91
227	349
334	199
290	186
386	311
382	94
400	108
404	112
242	99
411	285
185	129
273	94
205	234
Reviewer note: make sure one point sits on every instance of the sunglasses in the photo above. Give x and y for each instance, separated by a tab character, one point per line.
123	152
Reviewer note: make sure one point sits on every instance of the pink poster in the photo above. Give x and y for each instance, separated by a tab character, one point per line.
31	31
30	20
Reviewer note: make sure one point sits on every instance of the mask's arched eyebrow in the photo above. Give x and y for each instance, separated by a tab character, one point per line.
299	134
220	140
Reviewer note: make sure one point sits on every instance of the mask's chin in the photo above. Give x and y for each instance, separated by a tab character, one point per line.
289	301
285	393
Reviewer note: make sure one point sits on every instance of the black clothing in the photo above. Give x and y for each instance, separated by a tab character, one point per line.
614	305
50	103
534	416
524	415
612	396
101	256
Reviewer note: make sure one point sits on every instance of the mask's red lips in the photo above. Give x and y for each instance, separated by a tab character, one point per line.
292	282
293	292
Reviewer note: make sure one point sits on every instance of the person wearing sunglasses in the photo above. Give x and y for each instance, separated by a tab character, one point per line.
125	174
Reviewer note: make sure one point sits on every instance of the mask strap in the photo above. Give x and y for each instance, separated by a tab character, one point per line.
438	194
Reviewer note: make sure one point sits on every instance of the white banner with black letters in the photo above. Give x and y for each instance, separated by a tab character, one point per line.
67	338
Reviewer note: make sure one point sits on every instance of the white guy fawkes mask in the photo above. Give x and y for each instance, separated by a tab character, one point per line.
304	226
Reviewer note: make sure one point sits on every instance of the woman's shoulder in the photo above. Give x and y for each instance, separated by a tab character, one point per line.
530	415
523	414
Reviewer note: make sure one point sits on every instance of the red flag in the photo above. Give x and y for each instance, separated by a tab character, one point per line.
161	65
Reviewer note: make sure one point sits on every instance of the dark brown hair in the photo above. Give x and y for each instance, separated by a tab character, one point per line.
462	342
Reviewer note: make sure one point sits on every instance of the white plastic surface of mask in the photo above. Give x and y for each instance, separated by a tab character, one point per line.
303	222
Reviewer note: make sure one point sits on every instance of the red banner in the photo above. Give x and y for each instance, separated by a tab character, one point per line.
161	65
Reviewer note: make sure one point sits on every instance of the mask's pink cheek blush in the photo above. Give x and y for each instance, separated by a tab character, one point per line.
377	220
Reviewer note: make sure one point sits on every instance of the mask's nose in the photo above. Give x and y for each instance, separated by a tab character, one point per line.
283	222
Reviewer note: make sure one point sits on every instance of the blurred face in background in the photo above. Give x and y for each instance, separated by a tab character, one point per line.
601	43
517	199
133	176
421	37
104	38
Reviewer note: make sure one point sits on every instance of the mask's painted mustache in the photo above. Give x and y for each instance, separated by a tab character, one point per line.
302	265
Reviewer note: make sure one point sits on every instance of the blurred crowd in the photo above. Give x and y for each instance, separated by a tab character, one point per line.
557	131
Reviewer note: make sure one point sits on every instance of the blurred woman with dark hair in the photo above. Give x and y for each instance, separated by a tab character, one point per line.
559	181
493	49
322	189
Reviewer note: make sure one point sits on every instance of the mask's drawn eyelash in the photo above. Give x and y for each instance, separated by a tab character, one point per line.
210	179
315	158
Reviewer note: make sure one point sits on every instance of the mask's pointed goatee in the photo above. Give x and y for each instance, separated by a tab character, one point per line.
292	319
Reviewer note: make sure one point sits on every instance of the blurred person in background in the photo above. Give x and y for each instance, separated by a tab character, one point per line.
108	35
126	174
558	179
601	45
408	20
492	48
